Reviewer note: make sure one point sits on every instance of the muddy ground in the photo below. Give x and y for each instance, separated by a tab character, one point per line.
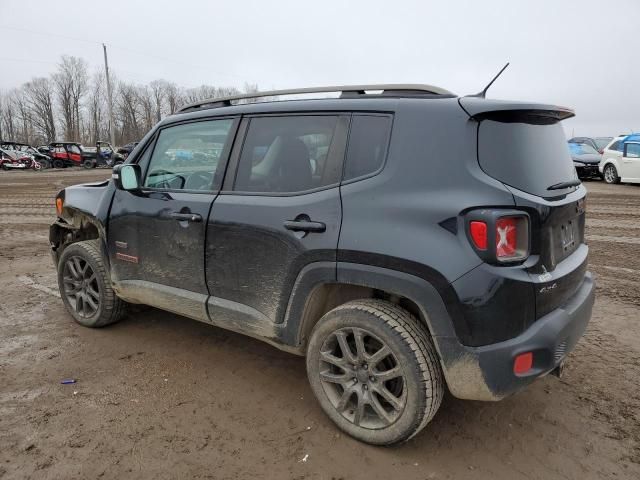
160	396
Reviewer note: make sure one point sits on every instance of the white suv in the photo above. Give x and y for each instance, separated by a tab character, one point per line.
621	160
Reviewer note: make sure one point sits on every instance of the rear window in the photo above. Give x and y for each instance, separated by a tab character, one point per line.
528	157
602	142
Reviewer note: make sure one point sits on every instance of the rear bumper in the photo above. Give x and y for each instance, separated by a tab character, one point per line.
486	373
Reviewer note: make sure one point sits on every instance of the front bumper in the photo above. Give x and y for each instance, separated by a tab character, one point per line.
486	373
587	171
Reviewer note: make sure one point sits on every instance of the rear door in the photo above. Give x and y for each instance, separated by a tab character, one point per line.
278	212
156	235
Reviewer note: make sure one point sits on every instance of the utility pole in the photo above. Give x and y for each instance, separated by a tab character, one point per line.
112	133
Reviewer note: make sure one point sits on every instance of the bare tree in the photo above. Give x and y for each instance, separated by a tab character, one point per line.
159	88
95	105
128	111
39	96
72	105
174	98
71	82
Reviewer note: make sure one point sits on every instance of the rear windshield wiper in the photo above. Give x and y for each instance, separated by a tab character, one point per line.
561	185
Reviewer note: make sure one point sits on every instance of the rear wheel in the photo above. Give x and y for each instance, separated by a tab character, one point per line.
611	174
88	164
85	286
57	163
374	371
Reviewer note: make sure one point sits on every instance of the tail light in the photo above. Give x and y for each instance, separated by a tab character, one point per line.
499	236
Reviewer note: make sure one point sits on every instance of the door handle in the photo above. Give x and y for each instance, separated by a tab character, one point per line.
305	226
186	217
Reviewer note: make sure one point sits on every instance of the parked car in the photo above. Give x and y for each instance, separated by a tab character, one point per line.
597	143
619	161
125	150
404	241
70	154
103	155
43	159
586	160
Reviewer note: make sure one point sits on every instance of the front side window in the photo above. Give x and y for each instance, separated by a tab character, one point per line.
368	140
186	156
616	146
287	154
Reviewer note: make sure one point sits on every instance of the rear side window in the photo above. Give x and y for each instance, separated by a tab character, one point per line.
288	154
528	157
633	150
616	146
368	141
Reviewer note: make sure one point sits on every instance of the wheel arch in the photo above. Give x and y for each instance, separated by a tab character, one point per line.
320	287
75	226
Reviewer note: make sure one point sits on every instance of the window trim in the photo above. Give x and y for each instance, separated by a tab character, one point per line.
340	135
386	154
224	155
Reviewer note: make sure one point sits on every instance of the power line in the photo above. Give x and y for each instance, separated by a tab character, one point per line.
126	49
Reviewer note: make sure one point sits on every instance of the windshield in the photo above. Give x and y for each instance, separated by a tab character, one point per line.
528	157
582	149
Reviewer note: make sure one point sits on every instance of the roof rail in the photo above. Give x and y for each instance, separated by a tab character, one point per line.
409	89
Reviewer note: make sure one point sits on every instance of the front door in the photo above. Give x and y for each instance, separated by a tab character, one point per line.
156	235
280	210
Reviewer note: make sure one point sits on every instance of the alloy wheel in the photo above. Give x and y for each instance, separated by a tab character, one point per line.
362	378
609	174
81	287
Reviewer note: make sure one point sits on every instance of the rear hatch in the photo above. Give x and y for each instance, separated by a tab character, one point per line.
524	146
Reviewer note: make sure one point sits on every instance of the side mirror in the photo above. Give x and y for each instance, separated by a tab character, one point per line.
127	176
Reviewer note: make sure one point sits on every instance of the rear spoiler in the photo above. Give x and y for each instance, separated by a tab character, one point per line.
509	112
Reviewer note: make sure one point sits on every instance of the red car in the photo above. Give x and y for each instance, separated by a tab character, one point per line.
66	154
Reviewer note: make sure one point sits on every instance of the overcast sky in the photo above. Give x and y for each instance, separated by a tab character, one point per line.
578	53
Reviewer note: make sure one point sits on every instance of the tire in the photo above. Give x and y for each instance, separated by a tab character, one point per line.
396	394
610	174
88	164
57	163
85	286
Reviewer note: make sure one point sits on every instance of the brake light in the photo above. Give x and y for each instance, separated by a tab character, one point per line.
506	237
59	206
478	231
499	236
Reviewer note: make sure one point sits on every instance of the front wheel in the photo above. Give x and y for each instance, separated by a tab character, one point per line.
611	174
85	286
374	371
57	163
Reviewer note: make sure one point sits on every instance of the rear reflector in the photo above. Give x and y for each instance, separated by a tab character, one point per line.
523	363
478	231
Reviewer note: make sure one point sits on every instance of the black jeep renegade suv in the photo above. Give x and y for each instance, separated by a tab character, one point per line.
403	240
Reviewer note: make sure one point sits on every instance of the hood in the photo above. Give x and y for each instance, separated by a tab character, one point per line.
586	158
